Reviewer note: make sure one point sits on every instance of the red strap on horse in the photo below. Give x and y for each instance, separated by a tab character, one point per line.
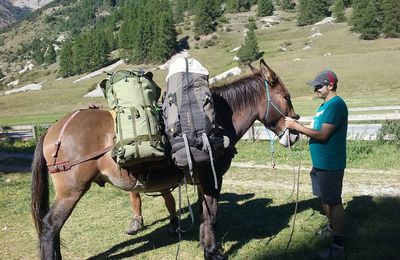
58	142
67	165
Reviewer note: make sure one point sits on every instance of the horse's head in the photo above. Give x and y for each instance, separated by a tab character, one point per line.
276	105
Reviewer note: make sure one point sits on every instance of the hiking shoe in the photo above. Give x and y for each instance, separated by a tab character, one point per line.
135	226
325	232
334	252
173	226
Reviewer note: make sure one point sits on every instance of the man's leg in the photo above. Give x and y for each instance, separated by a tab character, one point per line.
136	224
338	223
173	219
136	203
330	184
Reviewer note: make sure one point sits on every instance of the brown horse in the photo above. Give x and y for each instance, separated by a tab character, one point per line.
261	96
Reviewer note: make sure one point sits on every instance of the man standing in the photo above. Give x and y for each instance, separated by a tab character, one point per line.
328	153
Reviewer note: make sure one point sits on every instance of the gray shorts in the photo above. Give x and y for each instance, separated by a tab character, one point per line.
327	184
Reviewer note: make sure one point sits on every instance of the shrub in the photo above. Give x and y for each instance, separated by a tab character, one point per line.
39	131
251	19
223	19
358	149
390	132
251	26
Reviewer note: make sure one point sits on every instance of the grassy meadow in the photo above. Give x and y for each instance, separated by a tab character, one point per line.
255	214
367	70
257	203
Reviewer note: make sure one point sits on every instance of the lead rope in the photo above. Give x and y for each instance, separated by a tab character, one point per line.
271	139
297	196
179	229
272	149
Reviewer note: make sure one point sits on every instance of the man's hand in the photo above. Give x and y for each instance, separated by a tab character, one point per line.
291	123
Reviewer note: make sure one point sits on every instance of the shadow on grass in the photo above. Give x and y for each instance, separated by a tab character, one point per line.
373	228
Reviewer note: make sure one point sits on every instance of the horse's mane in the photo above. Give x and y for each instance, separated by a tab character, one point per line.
243	92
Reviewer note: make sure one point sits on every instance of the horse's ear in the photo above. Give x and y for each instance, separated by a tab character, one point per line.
266	72
253	70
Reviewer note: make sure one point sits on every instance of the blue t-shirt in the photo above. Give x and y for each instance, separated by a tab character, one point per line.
330	155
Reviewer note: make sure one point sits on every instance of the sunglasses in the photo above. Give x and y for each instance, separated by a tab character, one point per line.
318	87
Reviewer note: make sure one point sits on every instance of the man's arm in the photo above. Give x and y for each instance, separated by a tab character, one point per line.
320	135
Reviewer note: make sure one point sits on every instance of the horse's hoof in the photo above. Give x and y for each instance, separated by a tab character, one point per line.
218	255
173	226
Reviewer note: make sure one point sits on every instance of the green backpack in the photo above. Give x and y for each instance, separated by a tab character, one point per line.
133	96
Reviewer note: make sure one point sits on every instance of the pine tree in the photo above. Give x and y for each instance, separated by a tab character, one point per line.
82	53
179	10
347	3
203	22
338	11
287	4
232	6
38	51
265	7
311	11
165	41
365	19
391	18
66	60
249	51
99	49
51	55
235	6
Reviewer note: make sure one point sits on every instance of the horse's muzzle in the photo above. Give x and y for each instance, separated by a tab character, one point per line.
288	138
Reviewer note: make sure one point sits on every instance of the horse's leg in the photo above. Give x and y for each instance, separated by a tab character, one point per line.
209	197
53	222
69	187
200	199
137	223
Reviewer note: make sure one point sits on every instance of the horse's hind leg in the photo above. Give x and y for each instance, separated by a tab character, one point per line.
53	222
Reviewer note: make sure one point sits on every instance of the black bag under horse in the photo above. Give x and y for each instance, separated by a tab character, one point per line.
189	116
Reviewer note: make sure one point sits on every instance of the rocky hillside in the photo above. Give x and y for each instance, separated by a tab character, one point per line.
12	10
32	4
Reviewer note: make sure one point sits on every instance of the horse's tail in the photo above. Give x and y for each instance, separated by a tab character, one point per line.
40	186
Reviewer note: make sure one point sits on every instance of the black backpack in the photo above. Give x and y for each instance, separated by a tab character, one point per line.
189	116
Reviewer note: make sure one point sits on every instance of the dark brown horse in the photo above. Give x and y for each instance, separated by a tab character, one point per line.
260	96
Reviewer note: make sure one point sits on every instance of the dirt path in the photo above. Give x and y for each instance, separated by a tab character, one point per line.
358	181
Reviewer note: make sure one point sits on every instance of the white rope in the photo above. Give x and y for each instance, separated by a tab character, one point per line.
188	156
207	144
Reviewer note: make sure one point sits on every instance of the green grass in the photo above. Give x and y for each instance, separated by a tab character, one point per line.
360	154
254	222
255	213
367	70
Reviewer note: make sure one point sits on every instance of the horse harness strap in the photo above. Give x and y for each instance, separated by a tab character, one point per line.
58	141
67	165
56	167
270	102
